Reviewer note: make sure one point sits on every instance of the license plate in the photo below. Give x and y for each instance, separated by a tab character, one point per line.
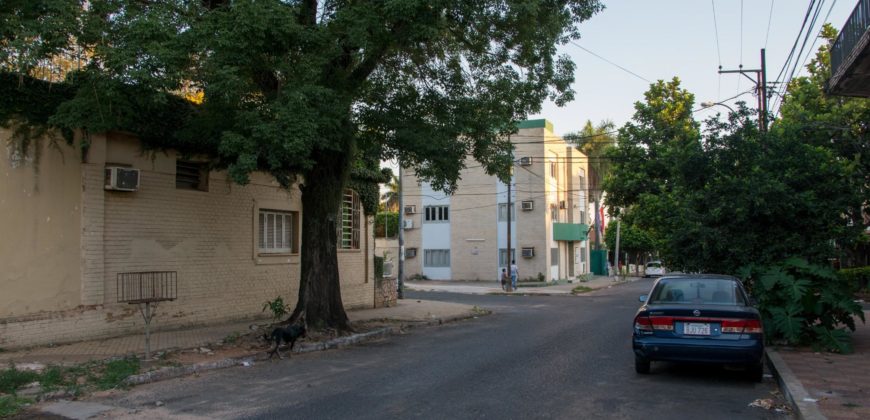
695	328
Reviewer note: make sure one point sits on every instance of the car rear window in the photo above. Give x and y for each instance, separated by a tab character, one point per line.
654	265
698	291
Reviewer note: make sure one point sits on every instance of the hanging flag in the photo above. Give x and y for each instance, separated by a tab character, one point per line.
601	217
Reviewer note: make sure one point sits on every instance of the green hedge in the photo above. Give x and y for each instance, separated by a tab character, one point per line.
859	277
386	225
379	267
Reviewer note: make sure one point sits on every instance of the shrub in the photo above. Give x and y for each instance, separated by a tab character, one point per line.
277	306
804	303
858	277
379	267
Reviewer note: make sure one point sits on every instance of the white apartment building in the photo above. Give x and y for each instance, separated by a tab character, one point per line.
464	236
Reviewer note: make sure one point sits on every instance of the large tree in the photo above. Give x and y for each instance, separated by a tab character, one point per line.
305	90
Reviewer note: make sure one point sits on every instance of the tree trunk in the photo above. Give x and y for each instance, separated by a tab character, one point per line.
319	286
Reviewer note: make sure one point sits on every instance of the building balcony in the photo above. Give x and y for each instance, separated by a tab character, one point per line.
570	232
850	55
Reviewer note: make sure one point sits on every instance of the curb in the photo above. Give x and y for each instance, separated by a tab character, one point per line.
804	406
248	360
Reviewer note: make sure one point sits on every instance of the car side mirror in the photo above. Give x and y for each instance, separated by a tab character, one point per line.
642	298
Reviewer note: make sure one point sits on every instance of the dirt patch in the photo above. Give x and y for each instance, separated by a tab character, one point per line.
252	343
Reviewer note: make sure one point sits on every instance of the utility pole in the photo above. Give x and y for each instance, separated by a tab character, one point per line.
509	286
760	82
401	227
616	251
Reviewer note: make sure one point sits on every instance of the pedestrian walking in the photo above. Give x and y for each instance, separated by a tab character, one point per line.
505	278
515	273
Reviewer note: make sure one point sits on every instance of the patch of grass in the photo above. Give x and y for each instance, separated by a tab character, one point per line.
581	289
11	379
11	405
851	405
116	371
232	338
52	378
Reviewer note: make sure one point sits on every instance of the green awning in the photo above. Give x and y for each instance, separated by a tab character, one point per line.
570	231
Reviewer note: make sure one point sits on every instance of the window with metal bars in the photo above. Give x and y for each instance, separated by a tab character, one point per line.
191	175
349	220
277	232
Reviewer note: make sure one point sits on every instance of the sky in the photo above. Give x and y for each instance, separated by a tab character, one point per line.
662	39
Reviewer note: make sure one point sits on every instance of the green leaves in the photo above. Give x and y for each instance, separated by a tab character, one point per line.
804	303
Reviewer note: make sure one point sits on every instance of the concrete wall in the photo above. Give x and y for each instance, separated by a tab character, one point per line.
78	236
40	221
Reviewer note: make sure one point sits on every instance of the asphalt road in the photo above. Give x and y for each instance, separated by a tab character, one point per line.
533	357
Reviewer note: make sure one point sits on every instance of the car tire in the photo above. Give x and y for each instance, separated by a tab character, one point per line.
756	372
641	365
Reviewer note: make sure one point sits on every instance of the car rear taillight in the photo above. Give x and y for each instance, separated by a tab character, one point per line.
643	325
647	325
742	326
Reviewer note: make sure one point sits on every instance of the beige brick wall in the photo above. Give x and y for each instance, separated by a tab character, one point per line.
206	237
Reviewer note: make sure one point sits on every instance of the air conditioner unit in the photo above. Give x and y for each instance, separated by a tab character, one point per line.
119	178
528	252
562	204
528	205
410	209
408	224
410	252
526	161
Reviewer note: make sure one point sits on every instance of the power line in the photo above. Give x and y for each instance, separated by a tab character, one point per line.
769	18
785	65
612	63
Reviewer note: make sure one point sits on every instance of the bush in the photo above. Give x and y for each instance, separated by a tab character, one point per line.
803	303
386	225
379	267
858	277
277	306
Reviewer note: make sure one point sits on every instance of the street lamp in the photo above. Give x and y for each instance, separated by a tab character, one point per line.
709	104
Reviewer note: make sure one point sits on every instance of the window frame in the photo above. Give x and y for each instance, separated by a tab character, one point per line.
436	214
185	178
349	226
442	255
289	226
502	212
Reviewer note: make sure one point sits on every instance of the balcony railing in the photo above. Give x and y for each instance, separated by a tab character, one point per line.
852	32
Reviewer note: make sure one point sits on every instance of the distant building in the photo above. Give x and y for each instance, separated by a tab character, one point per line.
464	236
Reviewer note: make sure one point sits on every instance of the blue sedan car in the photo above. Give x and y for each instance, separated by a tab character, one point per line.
698	319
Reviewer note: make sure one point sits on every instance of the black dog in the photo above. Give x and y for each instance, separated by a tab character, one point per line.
287	335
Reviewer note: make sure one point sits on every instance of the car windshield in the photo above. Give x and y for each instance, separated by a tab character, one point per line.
654	265
698	291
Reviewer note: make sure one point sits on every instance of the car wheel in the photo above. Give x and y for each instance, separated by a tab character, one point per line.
756	372
641	365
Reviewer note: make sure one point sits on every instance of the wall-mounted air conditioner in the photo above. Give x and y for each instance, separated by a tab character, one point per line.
119	178
526	161
528	252
408	224
410	209
410	252
528	205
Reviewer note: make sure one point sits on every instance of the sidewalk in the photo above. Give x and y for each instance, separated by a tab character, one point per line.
826	385
493	287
